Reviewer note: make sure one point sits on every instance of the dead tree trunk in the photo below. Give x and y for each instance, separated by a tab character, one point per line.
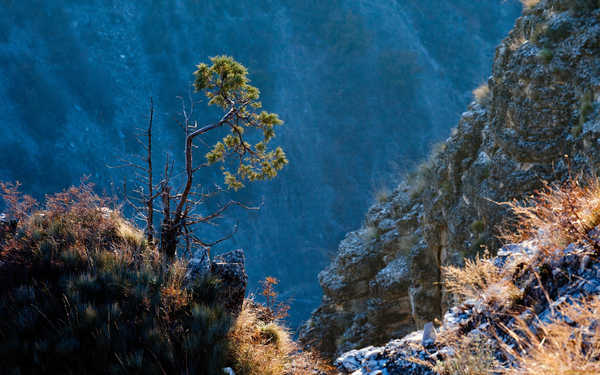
150	200
169	230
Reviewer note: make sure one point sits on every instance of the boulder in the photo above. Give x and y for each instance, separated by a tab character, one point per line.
198	267
428	335
229	268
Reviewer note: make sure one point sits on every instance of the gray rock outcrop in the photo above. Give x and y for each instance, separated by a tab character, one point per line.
229	268
198	267
543	104
230	271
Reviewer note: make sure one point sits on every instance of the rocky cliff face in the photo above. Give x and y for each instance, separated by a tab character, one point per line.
542	104
573	282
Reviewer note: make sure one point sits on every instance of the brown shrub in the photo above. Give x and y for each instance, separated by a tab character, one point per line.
18	206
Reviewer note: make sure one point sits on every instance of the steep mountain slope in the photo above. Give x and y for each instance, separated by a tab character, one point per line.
542	105
75	77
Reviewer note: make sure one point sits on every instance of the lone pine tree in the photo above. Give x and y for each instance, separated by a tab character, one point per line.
226	85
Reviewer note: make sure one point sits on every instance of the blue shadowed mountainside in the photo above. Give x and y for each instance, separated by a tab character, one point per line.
365	89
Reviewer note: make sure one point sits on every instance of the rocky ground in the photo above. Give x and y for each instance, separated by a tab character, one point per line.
541	103
567	277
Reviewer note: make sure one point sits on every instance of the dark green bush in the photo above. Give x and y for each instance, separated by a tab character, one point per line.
82	293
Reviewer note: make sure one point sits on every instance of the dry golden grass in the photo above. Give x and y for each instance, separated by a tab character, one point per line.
480	278
173	292
557	215
549	220
305	363
130	234
260	347
558	348
369	233
482	94
472	356
529	3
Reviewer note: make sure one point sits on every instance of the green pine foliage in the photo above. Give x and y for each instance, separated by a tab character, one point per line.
81	292
226	84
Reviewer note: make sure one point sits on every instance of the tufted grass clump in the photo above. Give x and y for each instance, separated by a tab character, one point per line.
81	292
557	215
426	174
370	233
258	347
472	356
481	278
382	195
528	4
482	94
261	344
